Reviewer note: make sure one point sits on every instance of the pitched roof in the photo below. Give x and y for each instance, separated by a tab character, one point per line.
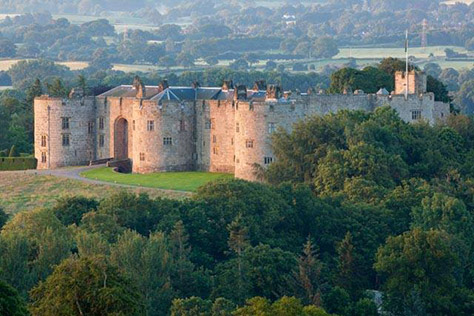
181	93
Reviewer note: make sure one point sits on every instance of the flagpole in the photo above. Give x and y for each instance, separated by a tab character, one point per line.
406	73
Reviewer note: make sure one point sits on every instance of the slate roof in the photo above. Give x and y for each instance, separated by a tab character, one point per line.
180	93
383	91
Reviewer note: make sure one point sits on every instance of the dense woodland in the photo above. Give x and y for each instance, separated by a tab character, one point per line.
358	206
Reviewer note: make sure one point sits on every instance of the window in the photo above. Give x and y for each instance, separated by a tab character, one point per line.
416	115
65	122
249	143
101	123
215	150
271	128
182	125
142	156
214	139
90	127
232	141
207	125
237	127
43	157
66	140
101	140
267	160
43	141
133	124
213	123
150	126
167	141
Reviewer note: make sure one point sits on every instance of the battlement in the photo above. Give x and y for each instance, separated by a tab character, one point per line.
416	81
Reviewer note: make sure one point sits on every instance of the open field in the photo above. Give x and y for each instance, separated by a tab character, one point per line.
182	181
23	192
418	52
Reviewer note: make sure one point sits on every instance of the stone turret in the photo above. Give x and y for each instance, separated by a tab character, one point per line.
163	85
417	82
240	92
76	93
139	88
260	85
274	92
228	85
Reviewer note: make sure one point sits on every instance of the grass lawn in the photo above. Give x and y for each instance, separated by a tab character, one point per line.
182	181
24	192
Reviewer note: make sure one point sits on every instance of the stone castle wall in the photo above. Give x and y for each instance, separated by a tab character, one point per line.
230	135
78	137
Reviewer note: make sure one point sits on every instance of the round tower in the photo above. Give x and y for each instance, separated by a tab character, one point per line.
64	131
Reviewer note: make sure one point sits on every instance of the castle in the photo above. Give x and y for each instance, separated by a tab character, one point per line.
221	129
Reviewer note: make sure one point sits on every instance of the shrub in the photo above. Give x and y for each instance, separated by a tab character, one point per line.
17	163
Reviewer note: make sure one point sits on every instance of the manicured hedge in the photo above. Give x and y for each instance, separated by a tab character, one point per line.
17	163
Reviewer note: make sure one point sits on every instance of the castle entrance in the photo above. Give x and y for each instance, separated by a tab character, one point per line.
121	139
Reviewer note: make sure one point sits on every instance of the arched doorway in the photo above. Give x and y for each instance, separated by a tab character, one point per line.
121	139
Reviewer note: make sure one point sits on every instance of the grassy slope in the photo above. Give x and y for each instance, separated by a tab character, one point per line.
183	181
28	191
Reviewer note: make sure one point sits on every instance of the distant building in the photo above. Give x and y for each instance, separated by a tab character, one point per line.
289	20
217	129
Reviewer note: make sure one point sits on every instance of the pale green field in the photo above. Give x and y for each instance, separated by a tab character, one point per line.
182	181
23	192
375	53
5	64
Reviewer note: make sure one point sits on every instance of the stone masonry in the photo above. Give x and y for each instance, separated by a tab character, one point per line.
221	129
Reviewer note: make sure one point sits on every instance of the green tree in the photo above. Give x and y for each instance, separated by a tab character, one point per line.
69	210
419	268
91	244
337	301
309	274
3	218
86	286
439	89
11	303
31	244
100	60
193	306
35	90
270	65
102	224
147	263
238	241
57	88
465	97
391	65
432	69
365	307
7	48
324	47
211	60
185	278
82	83
255	306
185	60
222	307
345	264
